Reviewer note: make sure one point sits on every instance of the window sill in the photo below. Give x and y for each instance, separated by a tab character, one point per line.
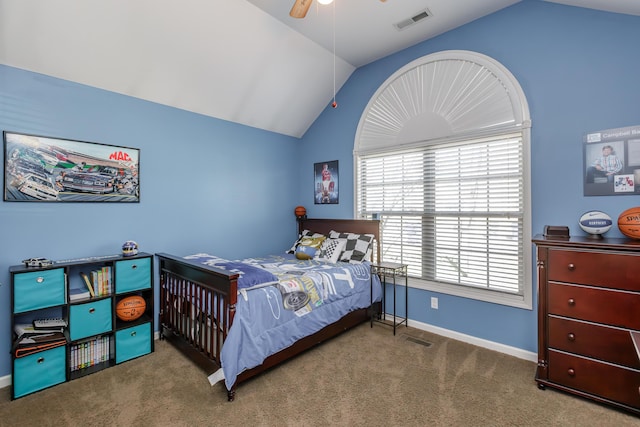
517	301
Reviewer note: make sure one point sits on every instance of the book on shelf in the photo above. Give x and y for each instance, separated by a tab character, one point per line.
106	277
27	330
77	293
30	340
99	280
89	353
87	282
96	282
41	339
106	280
99	284
22	350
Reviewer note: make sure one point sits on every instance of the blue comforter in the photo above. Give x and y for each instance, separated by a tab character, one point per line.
306	296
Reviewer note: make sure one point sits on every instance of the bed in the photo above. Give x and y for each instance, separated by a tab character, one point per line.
236	319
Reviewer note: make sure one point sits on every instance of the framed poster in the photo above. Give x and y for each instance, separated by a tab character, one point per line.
612	162
45	169
326	182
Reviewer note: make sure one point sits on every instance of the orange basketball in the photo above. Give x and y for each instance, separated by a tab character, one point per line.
629	222
130	308
300	211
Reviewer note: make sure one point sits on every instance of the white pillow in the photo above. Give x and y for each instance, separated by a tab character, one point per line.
358	247
331	250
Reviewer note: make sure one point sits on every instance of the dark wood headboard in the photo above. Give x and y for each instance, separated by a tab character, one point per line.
358	226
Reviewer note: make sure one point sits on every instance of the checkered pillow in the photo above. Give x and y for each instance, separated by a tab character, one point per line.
331	250
357	248
305	234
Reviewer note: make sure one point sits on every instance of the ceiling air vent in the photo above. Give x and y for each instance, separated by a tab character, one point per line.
410	21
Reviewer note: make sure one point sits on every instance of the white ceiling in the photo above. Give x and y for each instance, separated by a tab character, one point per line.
244	61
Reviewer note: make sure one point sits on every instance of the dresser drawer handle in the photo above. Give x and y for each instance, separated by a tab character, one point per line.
571	337
92	310
40	360
133	267
571	372
133	334
571	267
571	302
40	279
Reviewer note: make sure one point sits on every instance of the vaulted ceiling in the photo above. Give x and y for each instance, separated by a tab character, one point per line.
245	61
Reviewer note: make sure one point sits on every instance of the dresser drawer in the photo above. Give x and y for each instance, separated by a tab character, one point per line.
38	289
588	339
608	270
38	371
616	308
92	318
133	342
133	275
609	381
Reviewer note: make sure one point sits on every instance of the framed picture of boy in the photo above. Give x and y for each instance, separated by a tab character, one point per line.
326	182
612	162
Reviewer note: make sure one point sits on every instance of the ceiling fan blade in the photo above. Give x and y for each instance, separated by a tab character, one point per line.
300	8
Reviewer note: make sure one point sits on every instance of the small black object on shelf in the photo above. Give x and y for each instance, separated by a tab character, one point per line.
556	231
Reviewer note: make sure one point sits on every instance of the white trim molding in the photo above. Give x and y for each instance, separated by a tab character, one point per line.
489	345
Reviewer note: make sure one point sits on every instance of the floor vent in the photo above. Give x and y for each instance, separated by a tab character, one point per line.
417	340
410	21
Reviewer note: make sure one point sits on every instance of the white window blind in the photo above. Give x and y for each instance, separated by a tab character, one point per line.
454	212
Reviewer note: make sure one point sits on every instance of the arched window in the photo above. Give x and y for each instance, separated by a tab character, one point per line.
442	158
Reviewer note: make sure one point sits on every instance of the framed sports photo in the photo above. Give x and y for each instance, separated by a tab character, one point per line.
612	162
45	169
326	182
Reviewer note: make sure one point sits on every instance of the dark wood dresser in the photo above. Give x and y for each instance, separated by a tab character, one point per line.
589	318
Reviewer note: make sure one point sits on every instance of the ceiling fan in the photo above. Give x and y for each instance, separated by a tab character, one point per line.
300	7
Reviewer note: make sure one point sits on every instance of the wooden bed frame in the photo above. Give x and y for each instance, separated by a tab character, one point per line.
187	288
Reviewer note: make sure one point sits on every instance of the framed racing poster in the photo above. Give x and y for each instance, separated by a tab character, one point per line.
326	182
45	169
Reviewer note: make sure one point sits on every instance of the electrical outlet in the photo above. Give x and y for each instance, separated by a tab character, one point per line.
434	303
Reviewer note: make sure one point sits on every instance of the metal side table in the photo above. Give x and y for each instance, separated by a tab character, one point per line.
394	271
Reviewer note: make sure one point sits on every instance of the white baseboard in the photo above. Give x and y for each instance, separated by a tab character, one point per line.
512	351
5	381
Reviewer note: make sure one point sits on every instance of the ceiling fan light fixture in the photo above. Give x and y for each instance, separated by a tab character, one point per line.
325	1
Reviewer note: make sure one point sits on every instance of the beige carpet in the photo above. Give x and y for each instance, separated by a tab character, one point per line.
365	377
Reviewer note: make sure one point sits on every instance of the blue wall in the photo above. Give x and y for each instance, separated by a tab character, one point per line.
205	184
216	186
579	71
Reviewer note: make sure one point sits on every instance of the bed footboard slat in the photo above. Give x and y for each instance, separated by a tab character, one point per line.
197	304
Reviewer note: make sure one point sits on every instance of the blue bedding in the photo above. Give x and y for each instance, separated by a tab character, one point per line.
250	275
305	297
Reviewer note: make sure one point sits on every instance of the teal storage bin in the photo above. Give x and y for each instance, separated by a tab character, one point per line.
133	275
39	371
133	342
38	289
91	318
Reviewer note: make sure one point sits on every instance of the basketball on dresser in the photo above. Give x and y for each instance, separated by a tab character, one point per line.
629	222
